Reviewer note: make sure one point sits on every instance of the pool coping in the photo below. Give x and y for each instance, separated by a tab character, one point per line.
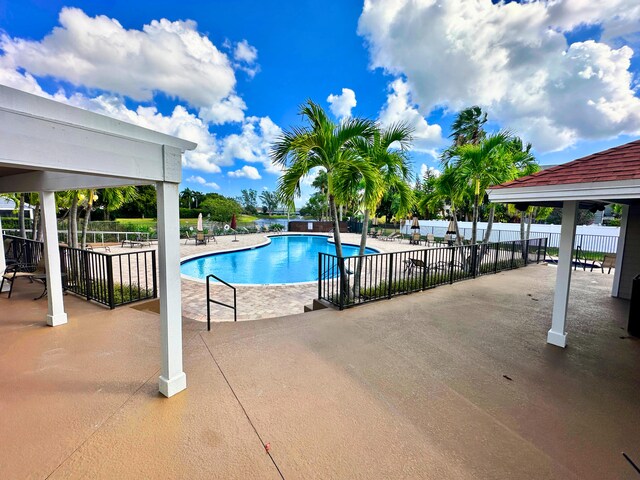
329	238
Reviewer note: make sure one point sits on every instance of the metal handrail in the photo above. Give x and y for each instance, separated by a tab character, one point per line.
211	300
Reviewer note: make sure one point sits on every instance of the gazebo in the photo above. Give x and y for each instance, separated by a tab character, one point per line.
611	176
47	146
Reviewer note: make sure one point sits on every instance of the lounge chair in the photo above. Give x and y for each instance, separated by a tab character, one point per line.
608	261
412	263
200	238
188	237
374	233
415	238
431	239
20	270
391	237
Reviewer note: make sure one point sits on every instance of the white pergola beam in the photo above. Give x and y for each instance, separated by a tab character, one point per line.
57	181
557	335
56	314
601	191
172	378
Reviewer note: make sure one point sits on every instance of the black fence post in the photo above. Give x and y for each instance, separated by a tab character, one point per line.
154	274
110	283
513	253
390	278
208	306
453	259
341	283
87	274
424	269
319	276
474	259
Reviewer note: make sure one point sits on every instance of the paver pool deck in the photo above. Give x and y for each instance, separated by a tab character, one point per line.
255	302
413	387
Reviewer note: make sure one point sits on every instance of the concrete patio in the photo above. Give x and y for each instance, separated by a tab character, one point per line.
414	387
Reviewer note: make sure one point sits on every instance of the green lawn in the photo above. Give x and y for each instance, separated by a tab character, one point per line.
185	222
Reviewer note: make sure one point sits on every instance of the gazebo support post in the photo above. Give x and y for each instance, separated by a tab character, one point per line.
172	378
3	262
56	314
557	334
622	241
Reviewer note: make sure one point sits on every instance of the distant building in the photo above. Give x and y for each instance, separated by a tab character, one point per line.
8	208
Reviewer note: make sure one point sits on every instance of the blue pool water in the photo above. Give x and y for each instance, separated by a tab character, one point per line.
287	259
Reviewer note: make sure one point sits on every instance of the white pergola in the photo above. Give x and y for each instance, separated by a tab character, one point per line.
46	146
571	196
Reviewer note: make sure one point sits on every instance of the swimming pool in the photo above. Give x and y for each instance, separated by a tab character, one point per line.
287	259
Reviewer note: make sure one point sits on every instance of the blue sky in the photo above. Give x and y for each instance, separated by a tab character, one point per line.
230	74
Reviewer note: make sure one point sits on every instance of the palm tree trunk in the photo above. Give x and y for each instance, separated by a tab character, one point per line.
344	281
487	233
35	224
476	200
363	246
23	230
85	224
73	222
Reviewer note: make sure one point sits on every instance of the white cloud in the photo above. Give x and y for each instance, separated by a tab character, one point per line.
514	60
342	104
201	181
400	108
99	53
246	172
245	52
253	144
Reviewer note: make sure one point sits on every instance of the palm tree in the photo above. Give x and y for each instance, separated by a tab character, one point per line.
481	165
270	200
447	190
468	127
394	169
330	146
186	196
114	198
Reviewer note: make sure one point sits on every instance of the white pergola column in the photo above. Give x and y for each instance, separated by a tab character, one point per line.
557	334
56	315
172	378
3	261
622	240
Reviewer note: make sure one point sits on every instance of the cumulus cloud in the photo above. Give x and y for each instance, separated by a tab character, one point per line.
201	181
399	107
246	172
245	52
342	104
514	60
253	143
99	53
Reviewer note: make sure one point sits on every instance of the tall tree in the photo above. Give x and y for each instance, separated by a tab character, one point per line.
395	175
480	165
270	200
323	143
114	198
467	128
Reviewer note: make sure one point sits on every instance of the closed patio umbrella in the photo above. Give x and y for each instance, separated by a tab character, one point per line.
234	222
199	226
416	224
451	229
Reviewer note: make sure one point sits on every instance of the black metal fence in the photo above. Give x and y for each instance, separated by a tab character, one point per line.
349	281
110	279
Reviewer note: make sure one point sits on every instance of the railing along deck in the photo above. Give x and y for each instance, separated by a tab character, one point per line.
350	281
